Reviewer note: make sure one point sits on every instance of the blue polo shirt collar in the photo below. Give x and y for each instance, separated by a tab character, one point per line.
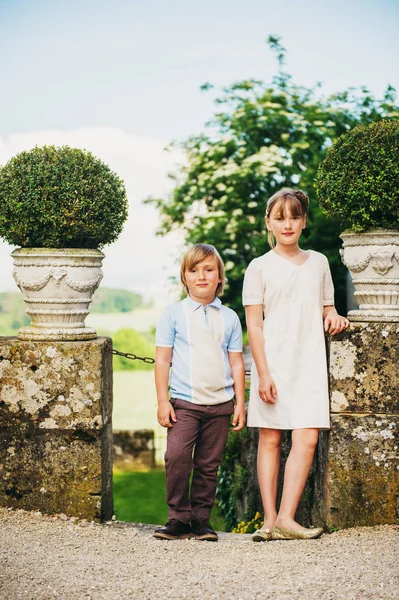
216	302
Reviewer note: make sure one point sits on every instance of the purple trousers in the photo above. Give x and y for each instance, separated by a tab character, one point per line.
195	444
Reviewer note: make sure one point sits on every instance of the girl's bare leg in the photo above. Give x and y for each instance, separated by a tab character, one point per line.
268	467
297	469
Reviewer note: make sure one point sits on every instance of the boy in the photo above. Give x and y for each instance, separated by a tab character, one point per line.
203	340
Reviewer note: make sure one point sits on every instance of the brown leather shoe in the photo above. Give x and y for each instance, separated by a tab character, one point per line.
203	531
173	530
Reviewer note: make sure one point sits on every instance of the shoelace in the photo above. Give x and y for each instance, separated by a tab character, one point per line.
206	521
174	521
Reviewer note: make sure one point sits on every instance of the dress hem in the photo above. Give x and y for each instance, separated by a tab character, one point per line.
321	427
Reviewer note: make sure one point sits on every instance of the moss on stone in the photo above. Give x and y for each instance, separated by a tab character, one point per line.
55	427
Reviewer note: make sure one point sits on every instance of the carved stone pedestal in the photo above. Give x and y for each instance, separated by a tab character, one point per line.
372	258
55	427
57	286
362	485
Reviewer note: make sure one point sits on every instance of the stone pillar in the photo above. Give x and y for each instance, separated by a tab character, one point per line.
362	486
56	427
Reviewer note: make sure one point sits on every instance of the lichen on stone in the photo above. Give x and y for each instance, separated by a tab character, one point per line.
338	402
342	359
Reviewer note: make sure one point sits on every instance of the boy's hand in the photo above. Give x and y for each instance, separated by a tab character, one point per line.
267	389
335	324
166	415
238	418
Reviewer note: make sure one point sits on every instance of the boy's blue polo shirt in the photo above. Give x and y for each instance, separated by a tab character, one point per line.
201	337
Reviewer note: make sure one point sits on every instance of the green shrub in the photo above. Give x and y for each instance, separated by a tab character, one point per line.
231	477
62	197
358	181
129	340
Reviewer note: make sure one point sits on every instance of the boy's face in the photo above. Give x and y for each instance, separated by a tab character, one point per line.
203	279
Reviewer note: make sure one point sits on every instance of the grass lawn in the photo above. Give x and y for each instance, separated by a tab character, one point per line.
139	497
140	319
135	406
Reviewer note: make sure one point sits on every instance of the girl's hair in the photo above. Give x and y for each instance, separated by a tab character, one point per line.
296	201
196	254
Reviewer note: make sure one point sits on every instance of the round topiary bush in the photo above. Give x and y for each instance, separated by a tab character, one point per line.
60	197
358	181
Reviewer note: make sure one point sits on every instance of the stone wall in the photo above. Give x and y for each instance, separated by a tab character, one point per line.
362	485
354	479
134	450
56	431
56	427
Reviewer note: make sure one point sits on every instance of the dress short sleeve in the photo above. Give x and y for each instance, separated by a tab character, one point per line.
253	289
328	286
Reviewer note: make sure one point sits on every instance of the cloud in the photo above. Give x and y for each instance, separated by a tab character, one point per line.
139	260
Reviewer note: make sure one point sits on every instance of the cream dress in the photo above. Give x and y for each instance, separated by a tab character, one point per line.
293	298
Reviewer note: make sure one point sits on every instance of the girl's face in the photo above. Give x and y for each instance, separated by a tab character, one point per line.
286	226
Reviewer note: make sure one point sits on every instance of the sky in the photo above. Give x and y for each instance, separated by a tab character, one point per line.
122	79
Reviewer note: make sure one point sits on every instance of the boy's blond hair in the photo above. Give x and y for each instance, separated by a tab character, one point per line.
196	254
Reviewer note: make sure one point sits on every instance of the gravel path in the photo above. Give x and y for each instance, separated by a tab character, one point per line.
43	558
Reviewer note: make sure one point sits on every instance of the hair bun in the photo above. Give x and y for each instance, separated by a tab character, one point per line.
303	198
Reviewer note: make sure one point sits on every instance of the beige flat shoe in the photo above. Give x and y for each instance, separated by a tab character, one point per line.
262	535
281	533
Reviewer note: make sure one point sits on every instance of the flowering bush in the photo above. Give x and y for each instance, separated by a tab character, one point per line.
249	526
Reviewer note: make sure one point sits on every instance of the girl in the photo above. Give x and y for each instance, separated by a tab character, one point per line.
288	293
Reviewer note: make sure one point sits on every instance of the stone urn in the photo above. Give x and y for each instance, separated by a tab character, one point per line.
57	285
372	258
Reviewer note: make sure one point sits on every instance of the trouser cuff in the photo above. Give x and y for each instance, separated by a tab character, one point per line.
183	516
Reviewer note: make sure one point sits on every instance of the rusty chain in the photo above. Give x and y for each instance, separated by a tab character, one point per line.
146	359
131	356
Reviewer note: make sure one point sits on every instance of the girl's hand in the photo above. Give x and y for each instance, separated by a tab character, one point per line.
238	418
166	415
335	323
267	389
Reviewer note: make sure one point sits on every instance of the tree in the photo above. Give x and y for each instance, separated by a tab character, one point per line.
108	300
266	136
